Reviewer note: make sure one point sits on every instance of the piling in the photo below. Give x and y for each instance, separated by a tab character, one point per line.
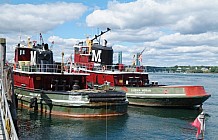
3	50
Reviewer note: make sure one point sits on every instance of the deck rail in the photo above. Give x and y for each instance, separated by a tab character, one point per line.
115	67
7	121
37	68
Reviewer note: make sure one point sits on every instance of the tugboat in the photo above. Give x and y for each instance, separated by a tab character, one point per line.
43	85
97	60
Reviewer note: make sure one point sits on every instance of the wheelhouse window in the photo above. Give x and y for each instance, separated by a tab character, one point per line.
76	50
21	52
129	80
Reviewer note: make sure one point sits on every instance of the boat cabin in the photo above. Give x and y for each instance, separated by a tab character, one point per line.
34	68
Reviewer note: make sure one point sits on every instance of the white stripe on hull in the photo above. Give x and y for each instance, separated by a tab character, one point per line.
155	95
59	101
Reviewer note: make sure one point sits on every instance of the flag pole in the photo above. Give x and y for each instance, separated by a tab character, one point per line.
199	123
203	125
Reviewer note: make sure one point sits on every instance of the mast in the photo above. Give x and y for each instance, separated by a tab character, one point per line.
96	36
89	42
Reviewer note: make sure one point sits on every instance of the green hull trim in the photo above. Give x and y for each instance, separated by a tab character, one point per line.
168	102
174	96
63	105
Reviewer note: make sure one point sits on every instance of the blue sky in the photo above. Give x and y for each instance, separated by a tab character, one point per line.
173	32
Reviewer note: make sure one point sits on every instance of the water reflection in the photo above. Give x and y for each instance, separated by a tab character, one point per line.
34	125
183	114
140	123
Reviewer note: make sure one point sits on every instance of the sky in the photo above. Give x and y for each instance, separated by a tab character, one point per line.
172	32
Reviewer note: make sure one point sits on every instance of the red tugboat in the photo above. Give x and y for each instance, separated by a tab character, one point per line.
43	85
97	60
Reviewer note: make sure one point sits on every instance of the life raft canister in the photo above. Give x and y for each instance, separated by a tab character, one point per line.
103	68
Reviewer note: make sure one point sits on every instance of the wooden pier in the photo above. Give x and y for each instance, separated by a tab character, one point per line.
8	116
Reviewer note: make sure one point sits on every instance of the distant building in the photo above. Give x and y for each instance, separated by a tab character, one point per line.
179	69
205	69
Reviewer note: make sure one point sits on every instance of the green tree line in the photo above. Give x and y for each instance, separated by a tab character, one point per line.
195	69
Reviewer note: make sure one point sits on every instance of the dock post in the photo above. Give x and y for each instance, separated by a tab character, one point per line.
2	55
3	50
8	82
7	106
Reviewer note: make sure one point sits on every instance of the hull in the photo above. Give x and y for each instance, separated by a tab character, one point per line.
166	96
81	103
168	102
152	95
47	86
96	60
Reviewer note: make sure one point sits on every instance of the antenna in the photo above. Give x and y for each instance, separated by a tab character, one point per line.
41	39
20	35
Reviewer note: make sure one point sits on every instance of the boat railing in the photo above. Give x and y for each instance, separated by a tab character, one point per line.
112	68
39	68
7	121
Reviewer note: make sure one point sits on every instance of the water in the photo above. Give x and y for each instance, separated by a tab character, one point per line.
140	123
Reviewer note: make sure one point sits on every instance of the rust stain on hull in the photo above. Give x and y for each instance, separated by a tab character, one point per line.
63	114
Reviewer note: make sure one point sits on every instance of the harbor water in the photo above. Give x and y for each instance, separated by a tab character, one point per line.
140	123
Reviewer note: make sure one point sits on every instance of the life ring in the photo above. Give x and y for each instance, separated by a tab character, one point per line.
103	68
8	126
14	66
66	68
165	91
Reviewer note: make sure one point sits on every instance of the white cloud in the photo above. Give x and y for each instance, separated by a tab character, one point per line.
186	16
29	18
134	35
175	49
209	38
61	41
174	32
62	45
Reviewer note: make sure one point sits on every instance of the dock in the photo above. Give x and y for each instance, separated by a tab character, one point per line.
2	133
8	116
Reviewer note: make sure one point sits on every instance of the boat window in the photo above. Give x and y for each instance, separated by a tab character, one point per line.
134	81
22	52
85	50
127	82
76	50
118	80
